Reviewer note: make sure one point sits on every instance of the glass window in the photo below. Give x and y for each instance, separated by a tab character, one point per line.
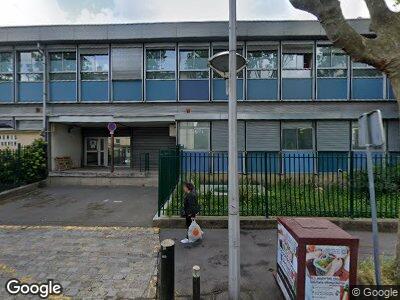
331	62
62	66
160	63
30	66
94	67
6	66
126	63
365	70
194	135
193	64
297	61
299	138
262	64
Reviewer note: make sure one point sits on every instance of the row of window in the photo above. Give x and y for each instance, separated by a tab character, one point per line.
8	137
125	68
297	62
196	136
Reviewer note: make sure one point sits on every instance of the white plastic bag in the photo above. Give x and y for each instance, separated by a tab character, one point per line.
194	232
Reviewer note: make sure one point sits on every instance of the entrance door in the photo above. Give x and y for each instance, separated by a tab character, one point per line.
96	151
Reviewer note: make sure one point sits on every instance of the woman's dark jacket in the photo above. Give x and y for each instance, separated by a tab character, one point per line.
190	205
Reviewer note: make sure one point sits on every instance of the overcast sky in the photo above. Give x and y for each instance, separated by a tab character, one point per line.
43	12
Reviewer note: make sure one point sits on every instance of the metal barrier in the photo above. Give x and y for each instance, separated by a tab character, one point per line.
23	165
282	183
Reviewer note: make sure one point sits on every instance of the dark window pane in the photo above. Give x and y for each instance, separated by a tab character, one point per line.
194	75
305	139
94	76
341	73
366	73
289	138
265	74
160	75
62	76
6	62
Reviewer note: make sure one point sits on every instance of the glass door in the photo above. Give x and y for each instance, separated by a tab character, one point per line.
96	151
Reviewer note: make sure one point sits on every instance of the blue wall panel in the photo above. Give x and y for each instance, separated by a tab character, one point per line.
6	92
195	161
298	161
256	162
220	162
333	161
332	88
193	89
360	159
30	91
390	92
161	90
127	90
94	91
63	91
367	88
297	88
219	89
262	89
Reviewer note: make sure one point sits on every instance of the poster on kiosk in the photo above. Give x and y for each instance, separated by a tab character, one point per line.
316	260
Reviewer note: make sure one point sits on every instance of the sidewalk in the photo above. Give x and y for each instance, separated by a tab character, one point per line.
258	250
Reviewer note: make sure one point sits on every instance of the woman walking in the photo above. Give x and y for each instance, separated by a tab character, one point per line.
190	206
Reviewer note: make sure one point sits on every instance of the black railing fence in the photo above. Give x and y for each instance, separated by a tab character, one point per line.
282	184
23	165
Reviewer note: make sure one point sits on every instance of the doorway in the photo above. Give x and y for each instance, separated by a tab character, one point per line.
96	152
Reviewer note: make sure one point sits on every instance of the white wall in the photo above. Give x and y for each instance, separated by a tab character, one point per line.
66	141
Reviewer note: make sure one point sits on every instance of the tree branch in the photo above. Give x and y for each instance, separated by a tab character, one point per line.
342	35
380	14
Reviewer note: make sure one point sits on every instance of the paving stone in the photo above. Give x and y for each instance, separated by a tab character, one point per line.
89	262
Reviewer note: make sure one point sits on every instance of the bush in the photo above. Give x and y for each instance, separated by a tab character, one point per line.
366	272
23	166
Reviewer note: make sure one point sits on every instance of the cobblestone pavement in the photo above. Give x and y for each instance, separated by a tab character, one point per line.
89	262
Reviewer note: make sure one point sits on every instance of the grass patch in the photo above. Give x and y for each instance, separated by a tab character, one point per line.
366	273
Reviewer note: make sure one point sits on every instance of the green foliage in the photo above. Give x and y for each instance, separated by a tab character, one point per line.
23	166
366	272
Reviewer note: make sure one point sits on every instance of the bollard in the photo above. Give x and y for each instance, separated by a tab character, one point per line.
167	274
196	283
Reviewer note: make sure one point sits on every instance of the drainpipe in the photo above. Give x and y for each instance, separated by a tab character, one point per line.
44	104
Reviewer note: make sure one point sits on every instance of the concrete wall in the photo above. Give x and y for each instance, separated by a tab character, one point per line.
66	141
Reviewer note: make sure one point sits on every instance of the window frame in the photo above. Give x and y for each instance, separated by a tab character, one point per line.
332	49
364	67
276	69
185	125
285	47
146	71
19	72
81	71
297	128
10	73
62	64
193	49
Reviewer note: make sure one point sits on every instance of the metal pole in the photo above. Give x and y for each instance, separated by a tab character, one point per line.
233	188
112	152
375	238
196	283
44	93
167	273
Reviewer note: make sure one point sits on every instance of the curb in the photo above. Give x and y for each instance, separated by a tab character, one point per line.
22	189
385	225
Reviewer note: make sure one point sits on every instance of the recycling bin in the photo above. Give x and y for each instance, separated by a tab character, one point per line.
315	259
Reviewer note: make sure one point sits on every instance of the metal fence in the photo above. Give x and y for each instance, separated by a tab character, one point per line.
23	165
282	184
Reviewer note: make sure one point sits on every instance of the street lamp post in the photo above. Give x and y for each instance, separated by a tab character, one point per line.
227	64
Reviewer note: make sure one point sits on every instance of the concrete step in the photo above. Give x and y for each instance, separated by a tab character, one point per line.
151	181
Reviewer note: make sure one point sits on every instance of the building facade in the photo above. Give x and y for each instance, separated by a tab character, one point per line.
298	94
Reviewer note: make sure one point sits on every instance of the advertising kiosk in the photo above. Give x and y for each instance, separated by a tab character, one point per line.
315	259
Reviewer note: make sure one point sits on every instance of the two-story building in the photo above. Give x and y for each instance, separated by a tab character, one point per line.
298	94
